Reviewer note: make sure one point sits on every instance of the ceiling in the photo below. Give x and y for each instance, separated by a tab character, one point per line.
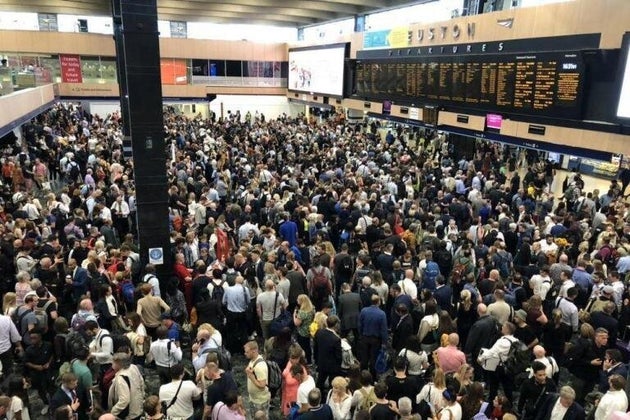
296	13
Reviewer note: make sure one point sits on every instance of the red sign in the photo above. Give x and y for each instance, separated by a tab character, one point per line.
70	68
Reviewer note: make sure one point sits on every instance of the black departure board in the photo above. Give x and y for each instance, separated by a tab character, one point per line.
546	84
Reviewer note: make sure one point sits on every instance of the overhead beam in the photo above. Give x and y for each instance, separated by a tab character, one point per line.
238	8
342	8
211	14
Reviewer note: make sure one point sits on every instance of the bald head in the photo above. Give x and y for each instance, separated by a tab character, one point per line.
482	309
107	416
409	274
269	284
539	352
366	281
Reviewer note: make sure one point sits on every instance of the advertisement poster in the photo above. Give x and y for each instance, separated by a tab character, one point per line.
173	72
70	68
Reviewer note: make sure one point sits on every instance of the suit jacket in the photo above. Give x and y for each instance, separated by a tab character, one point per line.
348	310
402	331
327	351
482	334
79	283
575	412
444	297
601	319
60	398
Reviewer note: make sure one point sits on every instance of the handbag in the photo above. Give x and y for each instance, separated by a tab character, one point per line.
381	362
283	321
424	407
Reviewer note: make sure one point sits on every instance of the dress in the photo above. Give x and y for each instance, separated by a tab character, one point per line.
289	389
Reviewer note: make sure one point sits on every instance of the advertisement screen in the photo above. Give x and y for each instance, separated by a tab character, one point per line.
317	70
623	108
493	121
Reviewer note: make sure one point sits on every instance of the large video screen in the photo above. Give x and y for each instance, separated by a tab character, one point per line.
317	70
548	84
623	108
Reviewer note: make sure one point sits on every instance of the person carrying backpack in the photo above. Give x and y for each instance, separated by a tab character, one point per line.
25	318
493	359
319	283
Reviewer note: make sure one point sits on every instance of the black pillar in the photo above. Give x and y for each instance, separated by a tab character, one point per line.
138	62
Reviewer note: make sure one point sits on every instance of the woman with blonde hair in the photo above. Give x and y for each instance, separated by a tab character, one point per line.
466	314
463	378
378	284
339	400
432	392
22	286
9	303
303	316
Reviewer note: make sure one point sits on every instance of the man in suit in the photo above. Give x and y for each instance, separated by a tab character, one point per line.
555	405
605	319
73	395
348	310
443	295
403	328
327	346
483	333
78	280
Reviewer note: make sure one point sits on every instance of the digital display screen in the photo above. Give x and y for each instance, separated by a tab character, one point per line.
493	121
317	70
387	107
623	107
547	84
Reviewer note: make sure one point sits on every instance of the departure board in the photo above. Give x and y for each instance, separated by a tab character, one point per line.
546	84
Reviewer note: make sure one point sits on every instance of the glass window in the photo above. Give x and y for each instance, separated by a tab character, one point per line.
200	67
217	68
91	69
108	70
233	68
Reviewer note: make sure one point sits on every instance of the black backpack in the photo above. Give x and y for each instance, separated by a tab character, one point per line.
218	291
136	269
517	360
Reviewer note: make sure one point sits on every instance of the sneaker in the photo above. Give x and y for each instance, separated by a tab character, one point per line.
44	411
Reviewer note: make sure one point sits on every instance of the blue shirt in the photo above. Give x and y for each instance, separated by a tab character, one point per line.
373	323
236	298
288	232
582	279
173	332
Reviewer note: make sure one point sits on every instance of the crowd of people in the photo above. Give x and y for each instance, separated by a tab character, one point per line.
321	270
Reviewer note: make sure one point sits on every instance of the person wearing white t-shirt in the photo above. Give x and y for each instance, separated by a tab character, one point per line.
307	384
613	400
541	283
179	394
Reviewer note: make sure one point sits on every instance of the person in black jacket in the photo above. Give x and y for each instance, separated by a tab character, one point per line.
534	391
209	310
483	333
556	403
605	319
73	395
443	295
403	328
327	346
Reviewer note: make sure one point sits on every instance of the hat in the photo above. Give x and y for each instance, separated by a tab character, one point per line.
521	314
609	290
91	318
